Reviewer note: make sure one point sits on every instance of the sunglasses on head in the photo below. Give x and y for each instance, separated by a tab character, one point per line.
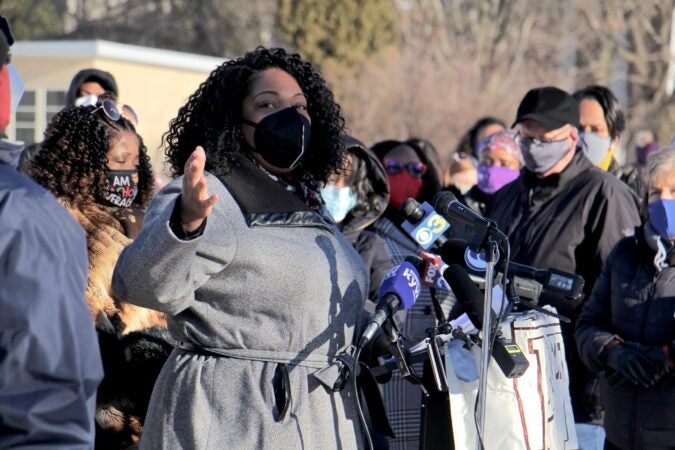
394	167
115	111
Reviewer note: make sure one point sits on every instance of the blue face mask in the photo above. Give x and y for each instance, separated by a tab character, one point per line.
662	217
339	201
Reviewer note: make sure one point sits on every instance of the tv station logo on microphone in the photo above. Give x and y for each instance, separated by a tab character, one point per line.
427	230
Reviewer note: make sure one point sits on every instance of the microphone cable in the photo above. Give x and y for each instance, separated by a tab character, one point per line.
357	398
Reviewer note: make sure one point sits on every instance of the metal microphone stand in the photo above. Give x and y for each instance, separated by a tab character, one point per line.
490	246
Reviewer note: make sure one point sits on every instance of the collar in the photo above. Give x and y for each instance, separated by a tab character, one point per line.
264	200
664	253
543	188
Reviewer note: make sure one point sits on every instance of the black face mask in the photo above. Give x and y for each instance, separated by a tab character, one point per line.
282	138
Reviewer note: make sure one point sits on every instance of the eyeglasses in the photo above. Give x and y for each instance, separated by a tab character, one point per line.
394	167
520	139
112	110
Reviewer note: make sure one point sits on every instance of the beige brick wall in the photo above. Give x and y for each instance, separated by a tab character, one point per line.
155	92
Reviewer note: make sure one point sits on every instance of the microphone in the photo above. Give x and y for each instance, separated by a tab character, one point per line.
423	224
432	269
399	290
552	280
507	353
447	204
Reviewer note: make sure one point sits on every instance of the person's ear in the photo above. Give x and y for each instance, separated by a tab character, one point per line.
574	135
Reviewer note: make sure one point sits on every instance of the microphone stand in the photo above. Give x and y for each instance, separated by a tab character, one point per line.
491	259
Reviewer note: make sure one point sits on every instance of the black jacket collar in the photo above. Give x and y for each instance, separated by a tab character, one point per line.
263	201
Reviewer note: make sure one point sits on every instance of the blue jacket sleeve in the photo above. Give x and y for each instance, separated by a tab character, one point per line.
50	365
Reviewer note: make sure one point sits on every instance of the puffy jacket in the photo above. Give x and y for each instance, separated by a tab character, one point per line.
372	183
634	301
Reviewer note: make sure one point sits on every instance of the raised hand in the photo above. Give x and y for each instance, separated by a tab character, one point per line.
196	204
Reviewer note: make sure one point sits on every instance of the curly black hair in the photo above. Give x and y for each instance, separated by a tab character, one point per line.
212	116
73	161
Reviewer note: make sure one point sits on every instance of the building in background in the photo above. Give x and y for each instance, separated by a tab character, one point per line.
155	83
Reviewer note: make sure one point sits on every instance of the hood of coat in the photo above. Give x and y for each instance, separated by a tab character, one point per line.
10	152
105	79
372	188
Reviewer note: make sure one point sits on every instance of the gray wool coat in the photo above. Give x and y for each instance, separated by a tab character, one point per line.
269	285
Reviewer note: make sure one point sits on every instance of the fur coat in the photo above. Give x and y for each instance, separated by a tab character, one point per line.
133	340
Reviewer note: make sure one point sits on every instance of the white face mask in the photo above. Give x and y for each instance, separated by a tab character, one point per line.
339	200
595	147
87	100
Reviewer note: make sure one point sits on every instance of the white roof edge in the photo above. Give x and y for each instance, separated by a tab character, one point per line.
116	51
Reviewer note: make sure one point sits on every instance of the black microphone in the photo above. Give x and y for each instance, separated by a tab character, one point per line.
507	353
468	295
552	280
447	204
399	290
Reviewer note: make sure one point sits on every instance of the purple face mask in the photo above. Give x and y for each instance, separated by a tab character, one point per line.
493	178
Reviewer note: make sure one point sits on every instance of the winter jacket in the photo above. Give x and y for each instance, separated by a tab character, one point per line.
267	296
370	246
569	221
634	301
50	365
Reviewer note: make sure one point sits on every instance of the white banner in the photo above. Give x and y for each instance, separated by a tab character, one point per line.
532	412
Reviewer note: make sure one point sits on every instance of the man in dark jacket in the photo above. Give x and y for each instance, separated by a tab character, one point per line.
562	212
50	364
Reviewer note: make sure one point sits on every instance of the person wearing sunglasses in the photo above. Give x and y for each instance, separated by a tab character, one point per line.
97	166
411	173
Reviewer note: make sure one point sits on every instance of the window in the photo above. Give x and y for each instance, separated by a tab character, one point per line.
36	109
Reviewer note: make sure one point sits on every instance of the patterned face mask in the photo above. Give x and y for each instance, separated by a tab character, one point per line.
121	189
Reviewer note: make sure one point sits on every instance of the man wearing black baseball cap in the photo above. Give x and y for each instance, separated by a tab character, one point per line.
562	212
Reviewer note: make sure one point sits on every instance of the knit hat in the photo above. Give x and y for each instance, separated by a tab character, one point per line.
504	140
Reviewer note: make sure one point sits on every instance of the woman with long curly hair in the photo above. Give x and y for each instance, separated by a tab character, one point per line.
97	167
259	286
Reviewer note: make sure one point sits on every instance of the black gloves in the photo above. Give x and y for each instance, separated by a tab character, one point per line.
639	365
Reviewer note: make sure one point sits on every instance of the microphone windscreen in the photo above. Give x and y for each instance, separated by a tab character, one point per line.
453	251
412	210
404	282
441	201
467	293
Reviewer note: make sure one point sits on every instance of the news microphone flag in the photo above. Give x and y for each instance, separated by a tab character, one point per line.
428	229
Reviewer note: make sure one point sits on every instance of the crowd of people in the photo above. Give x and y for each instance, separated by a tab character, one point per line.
224	309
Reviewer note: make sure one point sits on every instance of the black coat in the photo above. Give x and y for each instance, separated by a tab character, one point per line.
635	302
569	221
371	204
